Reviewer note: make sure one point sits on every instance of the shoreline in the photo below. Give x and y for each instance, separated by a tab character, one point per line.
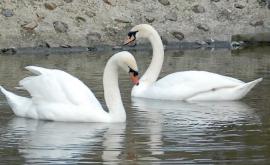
140	47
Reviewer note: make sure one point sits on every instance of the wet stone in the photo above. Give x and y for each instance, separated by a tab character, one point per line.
198	9
60	27
178	35
50	6
7	12
164	2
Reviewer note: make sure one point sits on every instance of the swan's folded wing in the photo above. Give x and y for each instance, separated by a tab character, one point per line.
58	86
189	83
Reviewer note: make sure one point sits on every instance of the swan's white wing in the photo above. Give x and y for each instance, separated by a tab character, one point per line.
183	85
56	86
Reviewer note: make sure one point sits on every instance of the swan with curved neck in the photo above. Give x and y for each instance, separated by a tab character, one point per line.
58	96
186	85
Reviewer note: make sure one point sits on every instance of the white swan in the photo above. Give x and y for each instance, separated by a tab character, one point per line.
186	85
58	96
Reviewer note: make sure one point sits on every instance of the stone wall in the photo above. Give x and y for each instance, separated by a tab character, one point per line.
30	23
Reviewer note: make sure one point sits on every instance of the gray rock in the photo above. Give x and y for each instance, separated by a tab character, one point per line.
210	41
164	40
262	3
109	2
7	12
149	19
178	35
90	14
199	42
65	46
68	1
256	23
80	19
50	6
9	51
215	0
164	2
203	27
60	27
121	20
42	44
93	38
239	6
224	15
198	9
172	16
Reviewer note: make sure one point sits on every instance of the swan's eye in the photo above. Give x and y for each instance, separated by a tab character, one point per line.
135	73
132	34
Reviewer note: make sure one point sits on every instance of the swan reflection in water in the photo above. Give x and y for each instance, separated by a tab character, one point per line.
188	124
60	142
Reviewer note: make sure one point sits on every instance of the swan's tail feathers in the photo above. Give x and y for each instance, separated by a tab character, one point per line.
19	105
245	88
37	70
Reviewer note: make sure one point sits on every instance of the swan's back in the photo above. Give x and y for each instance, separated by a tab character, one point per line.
51	85
196	85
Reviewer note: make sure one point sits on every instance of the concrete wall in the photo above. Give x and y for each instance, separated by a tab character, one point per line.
28	23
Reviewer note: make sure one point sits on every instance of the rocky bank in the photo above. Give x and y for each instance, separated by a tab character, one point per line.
54	23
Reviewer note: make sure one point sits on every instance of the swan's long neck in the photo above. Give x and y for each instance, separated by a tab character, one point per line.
152	73
112	93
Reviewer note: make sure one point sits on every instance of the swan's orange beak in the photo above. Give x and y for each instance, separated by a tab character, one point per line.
134	78
130	41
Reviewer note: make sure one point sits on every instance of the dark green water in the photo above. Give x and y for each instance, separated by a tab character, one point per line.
156	131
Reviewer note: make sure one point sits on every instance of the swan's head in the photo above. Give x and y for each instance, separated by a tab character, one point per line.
139	31
128	63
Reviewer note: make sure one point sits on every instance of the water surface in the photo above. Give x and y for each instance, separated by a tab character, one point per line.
155	131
